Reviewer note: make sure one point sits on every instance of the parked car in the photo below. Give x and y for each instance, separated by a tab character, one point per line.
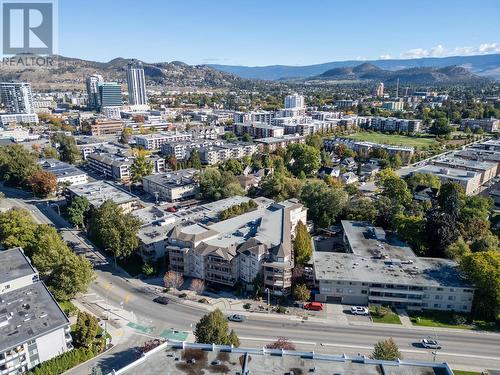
236	318
161	300
172	209
429	343
359	310
315	306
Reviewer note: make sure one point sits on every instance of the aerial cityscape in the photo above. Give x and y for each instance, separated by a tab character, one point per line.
287	187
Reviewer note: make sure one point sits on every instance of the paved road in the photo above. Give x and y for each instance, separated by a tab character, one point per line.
462	349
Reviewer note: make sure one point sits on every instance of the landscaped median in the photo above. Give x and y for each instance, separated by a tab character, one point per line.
383	314
448	319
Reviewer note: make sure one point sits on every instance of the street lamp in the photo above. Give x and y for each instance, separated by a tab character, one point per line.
268	299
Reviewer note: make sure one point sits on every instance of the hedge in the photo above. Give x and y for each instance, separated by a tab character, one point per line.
63	362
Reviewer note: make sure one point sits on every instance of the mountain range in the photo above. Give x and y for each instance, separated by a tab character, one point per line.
483	65
422	75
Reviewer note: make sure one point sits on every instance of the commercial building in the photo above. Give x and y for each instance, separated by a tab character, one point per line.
215	154
172	186
486	170
106	127
93	97
33	328
272	143
110	94
100	191
17	97
136	83
378	268
64	172
172	355
154	141
489	125
470	181
18	118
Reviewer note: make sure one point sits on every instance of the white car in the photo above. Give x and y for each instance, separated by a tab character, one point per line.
430	344
359	310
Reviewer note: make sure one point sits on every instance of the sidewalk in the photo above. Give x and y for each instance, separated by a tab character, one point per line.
405	319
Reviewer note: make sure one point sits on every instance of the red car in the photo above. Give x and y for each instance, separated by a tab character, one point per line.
172	209
315	306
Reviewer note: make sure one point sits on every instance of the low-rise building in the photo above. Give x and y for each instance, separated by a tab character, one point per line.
489	125
18	118
486	170
258	130
378	268
154	141
272	143
182	150
64	172
172	186
215	154
470	181
102	127
33	328
99	192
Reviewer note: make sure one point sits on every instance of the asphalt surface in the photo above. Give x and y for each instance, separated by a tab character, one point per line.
462	349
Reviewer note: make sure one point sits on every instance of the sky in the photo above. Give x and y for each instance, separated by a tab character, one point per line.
269	32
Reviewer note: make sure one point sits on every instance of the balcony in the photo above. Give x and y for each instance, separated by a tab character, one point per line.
394	290
393	299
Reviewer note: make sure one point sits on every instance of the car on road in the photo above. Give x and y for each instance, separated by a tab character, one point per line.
359	310
236	318
314	306
429	343
161	300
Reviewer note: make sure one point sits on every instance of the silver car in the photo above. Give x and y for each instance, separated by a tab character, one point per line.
430	344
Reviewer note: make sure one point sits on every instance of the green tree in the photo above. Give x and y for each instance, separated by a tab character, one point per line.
214	329
194	160
247	138
305	158
86	329
324	202
234	166
451	198
423	179
411	229
302	245
361	209
43	183
66	145
141	167
72	276
17	165
125	136
216	184
394	187
76	211
442	231
458	249
483	270
17	228
50	153
441	127
279	186
386	350
314	140
115	230
230	137
301	292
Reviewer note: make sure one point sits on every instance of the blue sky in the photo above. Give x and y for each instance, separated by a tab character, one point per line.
289	32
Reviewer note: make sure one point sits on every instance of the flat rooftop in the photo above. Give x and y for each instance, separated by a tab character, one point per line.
14	264
448	173
180	361
27	313
60	169
457	162
100	191
174	178
287	137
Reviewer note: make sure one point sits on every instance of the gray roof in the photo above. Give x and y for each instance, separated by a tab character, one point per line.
60	169
27	313
14	264
100	191
174	178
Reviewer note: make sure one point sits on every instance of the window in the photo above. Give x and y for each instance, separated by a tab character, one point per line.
364	291
437	305
451	298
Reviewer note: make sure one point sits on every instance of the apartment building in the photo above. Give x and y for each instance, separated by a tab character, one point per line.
364	148
469	181
489	125
106	127
99	192
378	268
64	172
216	154
258	130
236	249
486	170
33	328
393	106
264	117
182	150
154	141
206	132
172	186
272	143
18	118
391	124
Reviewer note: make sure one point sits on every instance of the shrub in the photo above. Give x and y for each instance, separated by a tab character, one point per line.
63	362
247	306
203	300
182	295
148	269
281	310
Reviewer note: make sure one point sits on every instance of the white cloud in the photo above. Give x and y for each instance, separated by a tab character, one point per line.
440	51
384	57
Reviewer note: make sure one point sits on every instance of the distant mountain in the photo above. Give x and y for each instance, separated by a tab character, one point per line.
406	76
483	65
72	72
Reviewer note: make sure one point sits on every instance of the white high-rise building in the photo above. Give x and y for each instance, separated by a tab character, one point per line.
136	84
93	83
17	97
294	101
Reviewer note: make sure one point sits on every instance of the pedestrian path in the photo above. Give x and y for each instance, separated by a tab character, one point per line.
171	334
405	319
140	328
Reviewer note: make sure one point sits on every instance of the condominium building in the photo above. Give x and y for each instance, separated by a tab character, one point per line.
215	154
364	148
393	106
18	118
258	130
272	143
172	186
391	124
93	97
378	268
264	117
154	141
17	97
33	328
106	127
65	173
346	103
489	125
136	82
294	101
182	150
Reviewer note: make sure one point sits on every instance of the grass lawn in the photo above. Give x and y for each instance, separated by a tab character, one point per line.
461	372
447	319
384	315
395	139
